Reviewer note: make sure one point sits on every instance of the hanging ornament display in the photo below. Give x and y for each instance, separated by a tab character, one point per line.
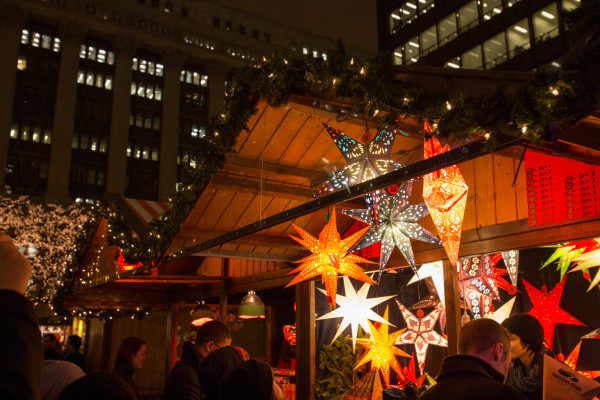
330	257
355	309
477	281
546	309
503	312
365	161
397	225
511	260
382	351
587	260
572	359
561	255
435	271
409	372
421	333
499	273
445	193
433	301
368	388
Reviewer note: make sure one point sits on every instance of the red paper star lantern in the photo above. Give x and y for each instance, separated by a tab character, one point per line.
329	258
445	193
546	309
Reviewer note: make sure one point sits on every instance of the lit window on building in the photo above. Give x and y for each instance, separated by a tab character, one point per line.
101	56
94	144
570	5
139	120
518	38
14	131
56	45
129	150
149	92
110	60
411	49
25	133
89	79
24	36
146	153
47	138
154	154
471	59
158	93
46	42
494	50
83	142
490	8
100	81
137	152
108	83
22	63
103	146
168	7
545	23
398	56
36	135
425	5
428	41
468	17
91	53
148	122
36	39
454	63
305	51
447	29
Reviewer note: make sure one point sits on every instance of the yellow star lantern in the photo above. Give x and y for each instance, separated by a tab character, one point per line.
329	258
445	193
382	351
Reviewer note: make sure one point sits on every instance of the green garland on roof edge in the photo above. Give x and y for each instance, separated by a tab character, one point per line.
534	112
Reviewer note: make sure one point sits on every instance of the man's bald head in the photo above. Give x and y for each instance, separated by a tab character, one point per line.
486	339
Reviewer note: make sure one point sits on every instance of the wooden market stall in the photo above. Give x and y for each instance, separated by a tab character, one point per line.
236	238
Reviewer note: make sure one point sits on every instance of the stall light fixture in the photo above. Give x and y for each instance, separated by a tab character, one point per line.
202	314
251	307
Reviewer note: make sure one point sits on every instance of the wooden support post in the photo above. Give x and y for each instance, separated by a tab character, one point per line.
223	308
305	340
452	296
171	336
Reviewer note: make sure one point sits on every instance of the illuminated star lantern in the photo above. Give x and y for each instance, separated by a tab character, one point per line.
503	312
572	359
587	260
561	255
433	301
355	309
499	273
420	332
435	271
365	161
397	225
381	350
546	309
477	281
445	193
368	388
511	260
329	258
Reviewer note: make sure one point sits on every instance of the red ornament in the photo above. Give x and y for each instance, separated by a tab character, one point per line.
586	275
492	308
546	309
392	190
560	357
544	289
420	313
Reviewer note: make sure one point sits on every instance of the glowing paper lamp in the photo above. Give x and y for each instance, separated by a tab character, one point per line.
546	309
381	350
421	333
330	257
571	361
445	193
503	312
397	225
355	309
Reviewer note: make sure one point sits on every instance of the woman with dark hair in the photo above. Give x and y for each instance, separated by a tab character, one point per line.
527	350
130	357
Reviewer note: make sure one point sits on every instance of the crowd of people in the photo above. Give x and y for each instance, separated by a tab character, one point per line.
494	361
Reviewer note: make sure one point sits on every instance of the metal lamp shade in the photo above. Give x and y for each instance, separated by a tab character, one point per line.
251	307
201	314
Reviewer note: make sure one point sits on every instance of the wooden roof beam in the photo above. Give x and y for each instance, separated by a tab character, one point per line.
281	241
268	188
267	169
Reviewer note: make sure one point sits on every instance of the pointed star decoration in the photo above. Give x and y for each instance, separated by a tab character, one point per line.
329	258
381	350
546	309
355	309
477	281
503	312
445	193
397	225
511	260
368	388
421	333
587	260
365	161
499	273
561	255
571	361
435	271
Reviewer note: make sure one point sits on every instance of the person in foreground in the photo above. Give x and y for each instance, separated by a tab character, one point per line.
527	350
251	380
479	370
21	352
131	355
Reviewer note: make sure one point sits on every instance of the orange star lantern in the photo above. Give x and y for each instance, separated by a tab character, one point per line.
368	388
382	352
329	258
571	361
445	193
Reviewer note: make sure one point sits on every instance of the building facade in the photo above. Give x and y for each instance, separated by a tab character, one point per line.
113	96
475	34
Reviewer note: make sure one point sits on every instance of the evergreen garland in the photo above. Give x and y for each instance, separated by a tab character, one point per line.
550	99
338	360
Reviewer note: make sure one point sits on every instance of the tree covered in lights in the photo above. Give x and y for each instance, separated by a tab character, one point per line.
52	237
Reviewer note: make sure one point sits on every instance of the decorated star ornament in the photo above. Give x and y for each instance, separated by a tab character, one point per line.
445	193
382	351
365	161
397	225
435	271
511	260
503	312
546	309
477	282
355	309
368	388
586	260
572	359
421	333
330	257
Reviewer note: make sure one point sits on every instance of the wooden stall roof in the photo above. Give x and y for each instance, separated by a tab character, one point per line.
287	152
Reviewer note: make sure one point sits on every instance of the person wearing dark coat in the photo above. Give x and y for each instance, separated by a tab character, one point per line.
131	355
72	353
526	336
183	382
21	354
251	380
480	368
